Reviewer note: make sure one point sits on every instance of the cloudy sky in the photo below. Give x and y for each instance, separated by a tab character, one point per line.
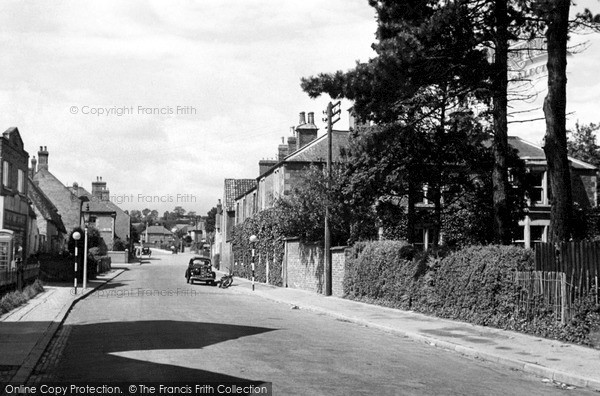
225	75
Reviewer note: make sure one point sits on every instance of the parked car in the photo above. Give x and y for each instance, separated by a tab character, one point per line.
146	251
200	269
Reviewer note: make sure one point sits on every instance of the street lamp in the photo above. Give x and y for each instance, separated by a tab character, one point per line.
253	240
76	238
86	220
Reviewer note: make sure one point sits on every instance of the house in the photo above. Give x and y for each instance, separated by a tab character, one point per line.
51	231
67	203
279	177
534	227
157	235
233	188
104	215
16	216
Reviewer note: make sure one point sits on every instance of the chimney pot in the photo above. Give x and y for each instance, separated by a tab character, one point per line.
302	119
311	118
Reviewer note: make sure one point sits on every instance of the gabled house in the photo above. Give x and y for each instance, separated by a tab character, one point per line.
535	226
156	235
67	203
104	215
51	230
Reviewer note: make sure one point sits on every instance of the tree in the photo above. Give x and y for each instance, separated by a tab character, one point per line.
209	223
302	212
179	211
581	143
136	216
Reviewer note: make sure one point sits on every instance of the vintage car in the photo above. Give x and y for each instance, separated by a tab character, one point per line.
200	269
146	251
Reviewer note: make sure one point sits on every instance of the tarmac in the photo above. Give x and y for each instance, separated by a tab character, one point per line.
26	332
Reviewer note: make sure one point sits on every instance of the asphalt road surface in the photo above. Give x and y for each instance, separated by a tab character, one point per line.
149	325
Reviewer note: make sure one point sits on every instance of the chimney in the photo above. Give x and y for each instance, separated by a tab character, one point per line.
282	150
264	165
302	119
292	144
43	158
306	132
76	188
33	169
351	119
99	190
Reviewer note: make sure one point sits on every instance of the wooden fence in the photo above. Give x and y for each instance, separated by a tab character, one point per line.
564	273
579	261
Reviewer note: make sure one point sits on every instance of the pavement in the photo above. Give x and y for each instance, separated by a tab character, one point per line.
26	332
564	364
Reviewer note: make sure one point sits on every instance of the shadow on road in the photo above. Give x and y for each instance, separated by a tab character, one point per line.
95	352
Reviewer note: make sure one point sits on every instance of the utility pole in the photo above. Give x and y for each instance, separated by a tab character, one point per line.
332	110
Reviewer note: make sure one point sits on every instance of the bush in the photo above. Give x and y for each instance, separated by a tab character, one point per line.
15	299
119	245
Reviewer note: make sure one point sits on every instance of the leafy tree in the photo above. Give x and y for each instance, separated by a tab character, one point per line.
136	216
209	222
581	143
302	212
179	211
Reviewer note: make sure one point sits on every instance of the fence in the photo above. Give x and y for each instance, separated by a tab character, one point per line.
564	273
9	276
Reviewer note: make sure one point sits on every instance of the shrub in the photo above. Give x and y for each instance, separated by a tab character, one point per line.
119	245
17	298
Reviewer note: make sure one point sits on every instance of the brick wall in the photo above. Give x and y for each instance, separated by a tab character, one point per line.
305	267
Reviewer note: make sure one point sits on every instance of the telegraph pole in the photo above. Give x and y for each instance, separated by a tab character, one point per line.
332	110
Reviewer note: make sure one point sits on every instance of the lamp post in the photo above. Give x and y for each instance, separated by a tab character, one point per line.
76	238
253	240
86	220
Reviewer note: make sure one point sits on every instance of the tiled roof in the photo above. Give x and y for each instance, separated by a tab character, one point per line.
316	151
531	151
158	230
44	205
235	188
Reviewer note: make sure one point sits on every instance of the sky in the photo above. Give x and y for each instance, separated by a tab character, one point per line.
164	100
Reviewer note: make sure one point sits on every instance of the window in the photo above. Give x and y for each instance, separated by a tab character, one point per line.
6	174
537	233
21	181
537	194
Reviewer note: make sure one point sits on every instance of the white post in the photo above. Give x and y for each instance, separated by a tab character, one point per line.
75	277
85	254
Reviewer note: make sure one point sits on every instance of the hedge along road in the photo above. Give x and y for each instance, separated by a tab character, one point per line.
149	325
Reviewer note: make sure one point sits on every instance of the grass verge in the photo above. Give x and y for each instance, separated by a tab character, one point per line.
17	298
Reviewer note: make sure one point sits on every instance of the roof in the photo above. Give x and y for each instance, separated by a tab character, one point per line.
158	230
316	150
234	188
531	152
14	137
44	205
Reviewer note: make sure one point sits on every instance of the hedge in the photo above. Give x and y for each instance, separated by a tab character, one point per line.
475	285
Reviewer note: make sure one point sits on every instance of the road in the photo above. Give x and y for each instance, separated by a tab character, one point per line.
149	325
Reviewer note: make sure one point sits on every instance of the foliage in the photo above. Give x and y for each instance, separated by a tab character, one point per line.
119	245
475	284
265	225
302	212
17	298
209	223
582	143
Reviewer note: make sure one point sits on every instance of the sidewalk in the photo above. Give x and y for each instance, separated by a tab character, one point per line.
552	360
26	331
